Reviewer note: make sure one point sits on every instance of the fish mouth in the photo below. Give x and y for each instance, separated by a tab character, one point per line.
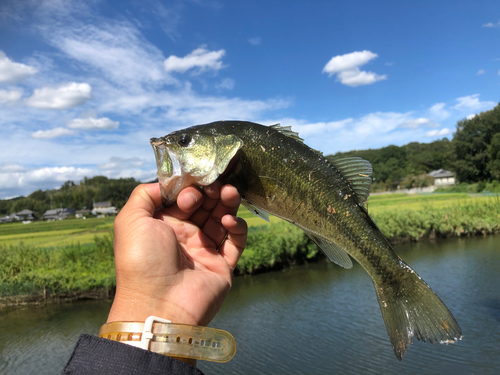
169	172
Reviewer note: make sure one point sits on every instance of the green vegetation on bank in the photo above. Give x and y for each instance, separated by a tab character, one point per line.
31	269
26	269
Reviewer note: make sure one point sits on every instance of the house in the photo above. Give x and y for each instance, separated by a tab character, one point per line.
442	177
104	208
80	214
58	214
25	215
5	219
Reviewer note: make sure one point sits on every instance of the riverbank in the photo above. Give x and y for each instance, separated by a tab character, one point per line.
280	245
44	275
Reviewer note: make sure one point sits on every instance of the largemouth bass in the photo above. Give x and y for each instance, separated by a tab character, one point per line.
276	173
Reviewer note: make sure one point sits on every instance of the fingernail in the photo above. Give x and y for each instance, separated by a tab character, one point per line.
193	199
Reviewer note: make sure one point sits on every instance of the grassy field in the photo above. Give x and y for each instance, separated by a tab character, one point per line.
77	255
55	233
78	231
385	202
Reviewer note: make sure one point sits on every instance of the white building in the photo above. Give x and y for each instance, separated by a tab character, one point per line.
104	208
443	177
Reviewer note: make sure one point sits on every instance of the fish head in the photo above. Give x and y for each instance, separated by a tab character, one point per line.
191	156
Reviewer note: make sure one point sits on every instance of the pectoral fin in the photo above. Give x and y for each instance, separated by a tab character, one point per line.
256	211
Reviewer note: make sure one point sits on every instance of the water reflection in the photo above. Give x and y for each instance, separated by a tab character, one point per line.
314	319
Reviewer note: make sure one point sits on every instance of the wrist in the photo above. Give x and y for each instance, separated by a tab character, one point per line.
139	308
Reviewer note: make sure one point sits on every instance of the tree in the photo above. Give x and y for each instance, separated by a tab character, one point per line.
471	143
493	166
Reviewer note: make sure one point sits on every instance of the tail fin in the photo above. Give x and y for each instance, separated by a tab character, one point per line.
414	310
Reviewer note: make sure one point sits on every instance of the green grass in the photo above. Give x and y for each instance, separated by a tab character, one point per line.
27	269
56	233
389	202
463	218
75	255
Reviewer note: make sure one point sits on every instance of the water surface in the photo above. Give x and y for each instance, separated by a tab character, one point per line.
313	319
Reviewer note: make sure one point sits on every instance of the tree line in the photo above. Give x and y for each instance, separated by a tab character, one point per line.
77	196
473	155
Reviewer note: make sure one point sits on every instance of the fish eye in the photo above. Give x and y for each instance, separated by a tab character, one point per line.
184	140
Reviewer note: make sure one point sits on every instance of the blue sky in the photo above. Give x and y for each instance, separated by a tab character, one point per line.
85	85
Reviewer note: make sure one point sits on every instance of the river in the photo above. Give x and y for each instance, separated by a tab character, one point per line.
313	319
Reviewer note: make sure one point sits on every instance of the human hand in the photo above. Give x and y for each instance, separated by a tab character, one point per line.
176	263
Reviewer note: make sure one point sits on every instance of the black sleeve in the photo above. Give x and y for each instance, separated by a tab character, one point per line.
94	355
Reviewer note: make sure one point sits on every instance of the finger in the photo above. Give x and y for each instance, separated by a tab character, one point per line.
143	201
188	201
212	196
228	204
232	248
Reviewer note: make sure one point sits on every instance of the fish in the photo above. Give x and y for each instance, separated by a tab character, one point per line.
276	173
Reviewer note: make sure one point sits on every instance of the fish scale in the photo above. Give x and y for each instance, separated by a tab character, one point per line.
276	173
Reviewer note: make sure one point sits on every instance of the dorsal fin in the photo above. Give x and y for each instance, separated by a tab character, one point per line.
358	173
287	130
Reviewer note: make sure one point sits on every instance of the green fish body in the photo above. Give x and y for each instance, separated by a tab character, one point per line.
276	173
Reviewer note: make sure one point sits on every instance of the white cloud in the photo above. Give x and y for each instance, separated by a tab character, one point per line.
472	102
90	123
118	167
117	50
200	58
52	133
226	84
352	132
64	96
116	163
480	71
60	174
438	133
255	41
306	129
379	123
471	116
348	61
10	96
438	112
346	67
415	123
491	24
11	72
356	77
26	180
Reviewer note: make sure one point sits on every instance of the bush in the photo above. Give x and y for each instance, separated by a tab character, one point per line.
275	246
30	270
